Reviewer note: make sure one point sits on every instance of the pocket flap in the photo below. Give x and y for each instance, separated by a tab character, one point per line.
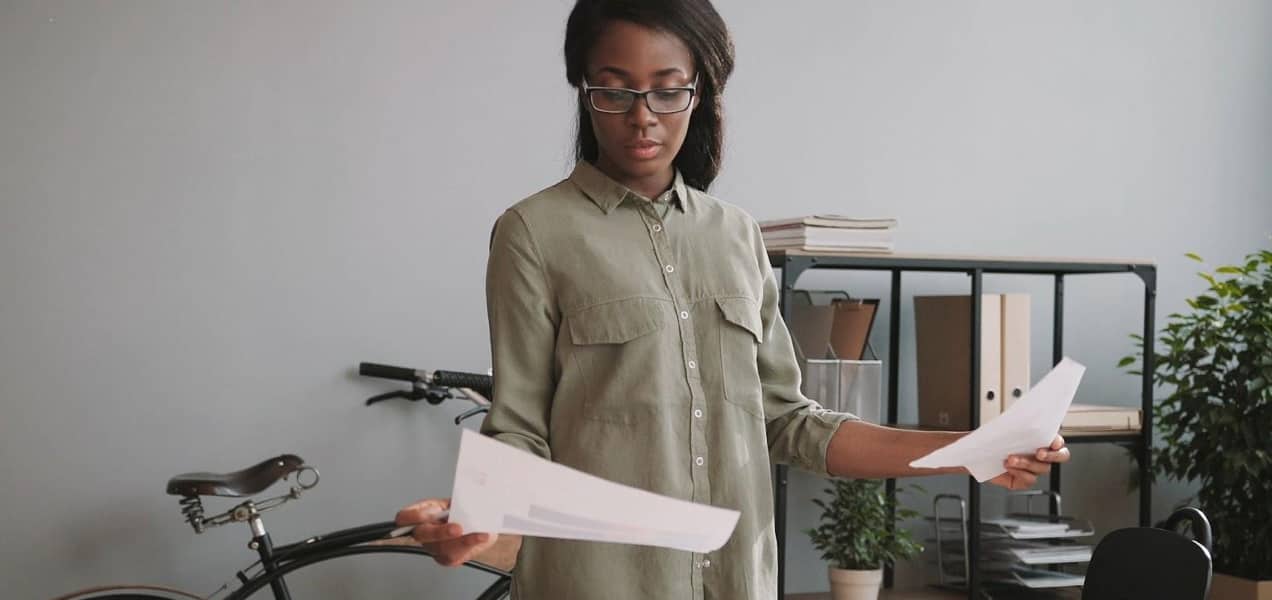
617	322
744	313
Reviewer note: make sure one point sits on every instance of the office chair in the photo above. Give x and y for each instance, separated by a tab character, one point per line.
1146	563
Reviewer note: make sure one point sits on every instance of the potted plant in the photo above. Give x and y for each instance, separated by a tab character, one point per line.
857	537
1216	422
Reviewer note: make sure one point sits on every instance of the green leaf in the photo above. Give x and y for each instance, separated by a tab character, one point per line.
1194	257
1230	270
1126	360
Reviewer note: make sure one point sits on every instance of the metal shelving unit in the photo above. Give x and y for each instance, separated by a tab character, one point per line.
794	263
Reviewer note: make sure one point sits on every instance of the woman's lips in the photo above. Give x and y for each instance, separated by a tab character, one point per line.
643	149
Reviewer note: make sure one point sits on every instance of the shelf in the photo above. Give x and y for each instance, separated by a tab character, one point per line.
791	264
950	262
940	594
1129	436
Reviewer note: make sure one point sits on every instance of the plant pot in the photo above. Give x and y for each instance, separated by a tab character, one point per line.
1228	587
849	584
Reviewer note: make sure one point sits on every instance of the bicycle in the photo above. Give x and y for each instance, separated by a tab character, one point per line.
275	562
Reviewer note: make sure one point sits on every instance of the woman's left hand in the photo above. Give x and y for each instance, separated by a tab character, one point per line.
1023	470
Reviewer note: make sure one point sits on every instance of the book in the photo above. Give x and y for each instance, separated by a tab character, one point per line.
827	220
1090	417
829	236
781	246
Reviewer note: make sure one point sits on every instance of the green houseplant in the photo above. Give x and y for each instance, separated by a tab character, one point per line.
1216	422
857	536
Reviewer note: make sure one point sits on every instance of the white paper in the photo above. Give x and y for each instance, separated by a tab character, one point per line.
500	489
1030	423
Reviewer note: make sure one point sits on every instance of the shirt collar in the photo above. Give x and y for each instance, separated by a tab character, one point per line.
608	194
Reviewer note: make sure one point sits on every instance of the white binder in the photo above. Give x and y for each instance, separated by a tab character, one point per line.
1015	332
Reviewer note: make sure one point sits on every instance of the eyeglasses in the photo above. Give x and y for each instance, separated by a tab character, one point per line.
662	101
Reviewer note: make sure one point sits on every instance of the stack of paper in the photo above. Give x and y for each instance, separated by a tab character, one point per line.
1030	423
1052	555
830	233
499	489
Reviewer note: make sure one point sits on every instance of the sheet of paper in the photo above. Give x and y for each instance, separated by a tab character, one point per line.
500	489
1031	423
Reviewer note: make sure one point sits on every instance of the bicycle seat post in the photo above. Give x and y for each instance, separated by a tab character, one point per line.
264	546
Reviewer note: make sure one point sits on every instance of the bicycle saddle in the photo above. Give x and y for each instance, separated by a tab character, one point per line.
249	481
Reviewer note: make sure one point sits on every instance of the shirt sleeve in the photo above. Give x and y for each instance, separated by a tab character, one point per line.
798	428
523	323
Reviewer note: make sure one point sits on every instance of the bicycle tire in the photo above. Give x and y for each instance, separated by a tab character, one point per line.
130	592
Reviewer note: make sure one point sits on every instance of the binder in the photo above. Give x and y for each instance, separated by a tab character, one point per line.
1015	331
943	331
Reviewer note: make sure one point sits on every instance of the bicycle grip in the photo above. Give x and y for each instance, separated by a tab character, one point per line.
367	369
457	379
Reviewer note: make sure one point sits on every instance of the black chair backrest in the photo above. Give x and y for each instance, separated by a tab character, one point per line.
1145	563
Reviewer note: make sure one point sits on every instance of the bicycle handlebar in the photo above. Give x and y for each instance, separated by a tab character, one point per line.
367	369
482	384
458	379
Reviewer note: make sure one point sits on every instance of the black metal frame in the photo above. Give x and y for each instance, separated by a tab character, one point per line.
278	562
793	264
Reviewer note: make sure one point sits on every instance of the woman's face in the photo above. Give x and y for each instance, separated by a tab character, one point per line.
639	144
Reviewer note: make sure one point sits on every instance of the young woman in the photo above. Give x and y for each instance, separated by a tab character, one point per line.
635	329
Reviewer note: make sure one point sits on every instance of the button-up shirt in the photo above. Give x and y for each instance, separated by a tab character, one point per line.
643	344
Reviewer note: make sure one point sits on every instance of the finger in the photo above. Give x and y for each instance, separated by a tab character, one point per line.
1057	443
1022	480
422	511
1026	463
458	551
1053	456
441	532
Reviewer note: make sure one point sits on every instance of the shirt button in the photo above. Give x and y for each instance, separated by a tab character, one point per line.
706	562
657	228
670	269
699	461
692	364
684	314
697	412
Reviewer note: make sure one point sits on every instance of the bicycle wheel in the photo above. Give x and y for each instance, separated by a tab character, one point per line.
130	592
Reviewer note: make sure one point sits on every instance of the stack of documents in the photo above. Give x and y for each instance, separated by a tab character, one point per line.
1031	529
1052	555
830	233
500	489
1030	423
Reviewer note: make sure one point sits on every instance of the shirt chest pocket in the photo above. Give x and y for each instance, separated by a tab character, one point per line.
741	332
619	348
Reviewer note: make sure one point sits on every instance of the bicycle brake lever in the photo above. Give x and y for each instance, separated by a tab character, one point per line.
471	413
387	396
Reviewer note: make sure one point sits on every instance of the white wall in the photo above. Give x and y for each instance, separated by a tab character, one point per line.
210	212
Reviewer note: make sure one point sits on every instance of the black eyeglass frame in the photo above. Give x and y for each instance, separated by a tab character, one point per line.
587	90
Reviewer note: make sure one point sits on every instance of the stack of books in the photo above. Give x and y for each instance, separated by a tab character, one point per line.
1091	418
830	233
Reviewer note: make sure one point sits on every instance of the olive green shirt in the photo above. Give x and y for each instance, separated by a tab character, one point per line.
647	348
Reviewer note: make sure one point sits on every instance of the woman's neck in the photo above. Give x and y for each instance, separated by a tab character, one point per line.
649	186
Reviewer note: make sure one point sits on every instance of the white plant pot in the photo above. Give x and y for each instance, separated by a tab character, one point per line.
848	584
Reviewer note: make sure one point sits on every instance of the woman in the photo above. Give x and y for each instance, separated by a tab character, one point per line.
635	329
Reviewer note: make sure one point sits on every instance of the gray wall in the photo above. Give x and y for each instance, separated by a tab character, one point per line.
209	212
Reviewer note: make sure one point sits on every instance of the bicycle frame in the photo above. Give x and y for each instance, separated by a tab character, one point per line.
278	562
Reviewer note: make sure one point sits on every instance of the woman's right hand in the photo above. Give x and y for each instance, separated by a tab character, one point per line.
445	541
